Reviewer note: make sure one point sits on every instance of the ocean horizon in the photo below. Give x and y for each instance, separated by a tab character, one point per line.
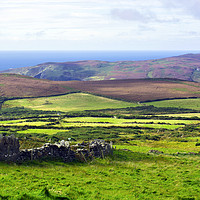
16	59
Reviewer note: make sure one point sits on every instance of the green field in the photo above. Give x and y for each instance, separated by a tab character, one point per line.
98	122
126	121
126	175
42	131
130	173
179	103
183	115
83	101
168	147
69	102
26	123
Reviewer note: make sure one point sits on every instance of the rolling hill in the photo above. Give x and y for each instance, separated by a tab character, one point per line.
184	67
13	85
136	90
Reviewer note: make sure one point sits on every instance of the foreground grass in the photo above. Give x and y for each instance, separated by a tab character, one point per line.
126	175
168	147
70	102
133	174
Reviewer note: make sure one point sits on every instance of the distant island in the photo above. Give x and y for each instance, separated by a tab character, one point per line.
183	67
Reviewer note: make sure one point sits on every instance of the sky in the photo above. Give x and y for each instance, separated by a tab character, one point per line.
100	25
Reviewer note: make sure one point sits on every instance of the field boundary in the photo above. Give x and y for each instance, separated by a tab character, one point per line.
165	99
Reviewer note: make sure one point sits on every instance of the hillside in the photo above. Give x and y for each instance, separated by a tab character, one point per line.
12	85
138	89
184	67
69	102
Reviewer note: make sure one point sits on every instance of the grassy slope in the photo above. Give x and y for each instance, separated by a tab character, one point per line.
128	175
83	101
70	102
179	103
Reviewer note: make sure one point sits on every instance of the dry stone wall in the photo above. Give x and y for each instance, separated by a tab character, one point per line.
10	150
9	147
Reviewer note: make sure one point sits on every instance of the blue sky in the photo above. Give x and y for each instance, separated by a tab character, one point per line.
100	25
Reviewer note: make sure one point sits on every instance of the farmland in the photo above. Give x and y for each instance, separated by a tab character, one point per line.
181	103
62	117
70	102
135	128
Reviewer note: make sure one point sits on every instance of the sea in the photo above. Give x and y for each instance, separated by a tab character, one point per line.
16	59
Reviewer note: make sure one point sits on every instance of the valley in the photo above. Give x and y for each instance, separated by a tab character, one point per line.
155	143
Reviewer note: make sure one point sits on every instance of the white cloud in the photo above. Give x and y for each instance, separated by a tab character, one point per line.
133	15
191	7
99	24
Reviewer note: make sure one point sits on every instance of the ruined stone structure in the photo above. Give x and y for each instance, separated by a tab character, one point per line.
99	148
47	151
9	147
9	151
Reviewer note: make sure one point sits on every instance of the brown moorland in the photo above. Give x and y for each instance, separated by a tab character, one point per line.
139	89
12	85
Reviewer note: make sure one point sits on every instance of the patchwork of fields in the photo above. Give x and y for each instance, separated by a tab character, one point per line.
84	116
172	128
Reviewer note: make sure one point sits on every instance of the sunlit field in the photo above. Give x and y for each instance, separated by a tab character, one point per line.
179	103
132	172
69	102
